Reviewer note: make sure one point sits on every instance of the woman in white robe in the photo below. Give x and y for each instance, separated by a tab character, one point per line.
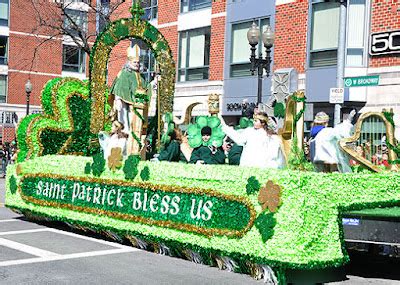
116	139
260	148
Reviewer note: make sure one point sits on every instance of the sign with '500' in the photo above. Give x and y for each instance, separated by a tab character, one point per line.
385	42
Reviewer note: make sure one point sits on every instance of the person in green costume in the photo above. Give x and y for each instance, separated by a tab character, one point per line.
172	149
207	154
129	88
234	151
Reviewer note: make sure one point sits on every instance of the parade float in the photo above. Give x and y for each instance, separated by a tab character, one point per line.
264	222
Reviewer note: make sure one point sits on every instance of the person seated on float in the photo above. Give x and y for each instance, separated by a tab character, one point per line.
328	156
172	148
261	148
207	154
117	138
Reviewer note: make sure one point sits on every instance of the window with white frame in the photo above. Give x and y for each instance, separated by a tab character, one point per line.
75	21
73	59
147	61
4	10
150	9
3	88
191	5
103	15
324	33
194	54
3	49
240	48
356	33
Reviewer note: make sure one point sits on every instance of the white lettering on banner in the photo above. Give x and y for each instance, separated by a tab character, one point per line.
163	203
203	210
50	190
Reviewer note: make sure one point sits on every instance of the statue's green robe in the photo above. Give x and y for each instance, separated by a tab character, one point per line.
126	84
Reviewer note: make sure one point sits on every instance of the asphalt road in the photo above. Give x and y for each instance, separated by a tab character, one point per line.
31	253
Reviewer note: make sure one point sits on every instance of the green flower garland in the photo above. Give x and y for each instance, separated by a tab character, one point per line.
194	132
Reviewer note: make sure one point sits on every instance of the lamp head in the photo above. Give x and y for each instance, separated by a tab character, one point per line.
28	86
253	34
268	37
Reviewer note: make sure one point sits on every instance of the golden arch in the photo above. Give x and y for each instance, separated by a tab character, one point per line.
114	33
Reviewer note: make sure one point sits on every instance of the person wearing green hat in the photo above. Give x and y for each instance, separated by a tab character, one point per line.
207	154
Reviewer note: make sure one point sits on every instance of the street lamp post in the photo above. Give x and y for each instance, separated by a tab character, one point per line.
268	37
28	90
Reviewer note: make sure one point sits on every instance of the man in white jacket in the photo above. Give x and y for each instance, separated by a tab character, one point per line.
261	148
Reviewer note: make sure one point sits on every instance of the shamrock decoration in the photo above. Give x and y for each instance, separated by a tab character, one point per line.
244	123
252	185
194	132
131	167
115	158
145	173
13	184
279	110
270	196
168	128
18	170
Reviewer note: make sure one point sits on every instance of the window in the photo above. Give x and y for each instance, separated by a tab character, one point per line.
103	15
3	88
150	9
240	48
147	61
194	54
3	49
75	21
324	33
191	5
73	59
356	30
4	12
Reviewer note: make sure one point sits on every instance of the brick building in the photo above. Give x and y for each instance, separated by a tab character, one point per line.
210	48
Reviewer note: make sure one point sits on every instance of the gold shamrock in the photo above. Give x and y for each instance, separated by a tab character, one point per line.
270	196
18	170
115	158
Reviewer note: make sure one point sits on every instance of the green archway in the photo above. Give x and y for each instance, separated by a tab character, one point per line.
114	33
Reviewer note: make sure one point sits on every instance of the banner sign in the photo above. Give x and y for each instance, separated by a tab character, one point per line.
196	210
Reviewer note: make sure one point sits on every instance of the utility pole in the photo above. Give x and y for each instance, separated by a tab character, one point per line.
341	55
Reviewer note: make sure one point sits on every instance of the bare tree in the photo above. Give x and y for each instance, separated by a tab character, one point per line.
75	21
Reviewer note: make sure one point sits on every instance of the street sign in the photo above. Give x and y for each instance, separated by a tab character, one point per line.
336	95
361	81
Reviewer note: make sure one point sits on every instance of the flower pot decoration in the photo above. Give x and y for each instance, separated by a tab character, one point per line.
194	132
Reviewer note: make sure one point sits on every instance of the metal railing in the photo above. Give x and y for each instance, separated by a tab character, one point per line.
8	118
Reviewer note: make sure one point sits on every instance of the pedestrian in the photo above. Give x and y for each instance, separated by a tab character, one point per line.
3	158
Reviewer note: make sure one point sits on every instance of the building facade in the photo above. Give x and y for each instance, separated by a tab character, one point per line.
210	48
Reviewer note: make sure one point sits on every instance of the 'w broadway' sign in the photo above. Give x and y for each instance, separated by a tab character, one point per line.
202	211
361	81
